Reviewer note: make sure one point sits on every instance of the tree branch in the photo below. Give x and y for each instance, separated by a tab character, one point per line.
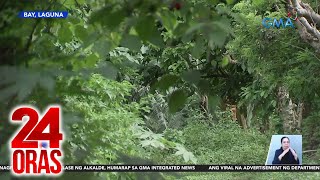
30	40
28	45
231	60
306	23
309	28
306	11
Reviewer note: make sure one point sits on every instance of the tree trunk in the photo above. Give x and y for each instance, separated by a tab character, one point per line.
204	104
290	112
243	122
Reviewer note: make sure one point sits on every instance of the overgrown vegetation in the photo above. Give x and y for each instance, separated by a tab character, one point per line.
160	82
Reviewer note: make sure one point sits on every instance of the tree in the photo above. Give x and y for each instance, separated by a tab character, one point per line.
307	22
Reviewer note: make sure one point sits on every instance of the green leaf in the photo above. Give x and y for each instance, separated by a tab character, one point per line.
165	82
225	61
114	19
169	20
224	24
157	144
177	99
145	134
108	70
217	32
108	17
65	34
192	76
192	30
81	32
181	149
91	60
199	48
181	29
195	28
170	144
132	42
147	31
217	37
187	156
73	19
91	38
102	47
145	143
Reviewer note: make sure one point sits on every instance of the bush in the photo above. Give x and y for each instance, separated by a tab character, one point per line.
226	143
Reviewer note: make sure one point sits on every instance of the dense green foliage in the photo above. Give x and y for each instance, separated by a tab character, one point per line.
153	82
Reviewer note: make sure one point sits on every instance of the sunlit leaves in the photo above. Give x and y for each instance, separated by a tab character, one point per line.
225	61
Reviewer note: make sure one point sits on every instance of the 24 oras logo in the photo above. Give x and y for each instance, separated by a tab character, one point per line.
36	146
275	23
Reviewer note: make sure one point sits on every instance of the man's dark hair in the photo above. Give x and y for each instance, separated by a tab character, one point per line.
284	138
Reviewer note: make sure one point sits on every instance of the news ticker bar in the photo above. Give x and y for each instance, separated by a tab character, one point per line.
184	168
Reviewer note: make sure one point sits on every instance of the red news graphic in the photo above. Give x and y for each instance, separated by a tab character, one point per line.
36	146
